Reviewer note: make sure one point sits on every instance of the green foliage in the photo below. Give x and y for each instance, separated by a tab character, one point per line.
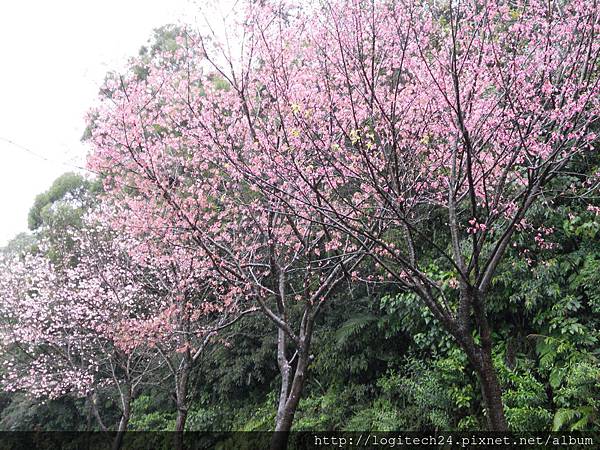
202	418
257	418
22	413
352	326
245	366
21	244
381	415
330	409
525	399
574	377
61	201
405	313
146	415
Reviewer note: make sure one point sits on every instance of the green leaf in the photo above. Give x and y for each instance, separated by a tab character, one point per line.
562	417
556	377
353	326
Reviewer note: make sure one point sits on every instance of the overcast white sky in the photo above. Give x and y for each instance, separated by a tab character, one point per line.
54	56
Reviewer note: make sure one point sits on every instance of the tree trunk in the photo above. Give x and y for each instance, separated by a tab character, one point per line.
491	391
181	393
180	427
285	371
481	358
181	419
123	423
285	416
94	406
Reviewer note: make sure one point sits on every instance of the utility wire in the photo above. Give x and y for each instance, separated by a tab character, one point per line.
44	158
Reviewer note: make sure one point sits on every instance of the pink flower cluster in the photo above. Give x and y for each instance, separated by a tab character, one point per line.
475	227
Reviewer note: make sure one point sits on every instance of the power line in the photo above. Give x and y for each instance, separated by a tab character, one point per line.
53	161
44	158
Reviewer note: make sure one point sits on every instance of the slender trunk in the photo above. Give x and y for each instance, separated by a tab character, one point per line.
181	393
88	426
285	371
181	419
94	406
285	417
123	423
180	427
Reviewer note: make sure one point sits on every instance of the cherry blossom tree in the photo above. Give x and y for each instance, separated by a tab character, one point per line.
61	326
195	308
